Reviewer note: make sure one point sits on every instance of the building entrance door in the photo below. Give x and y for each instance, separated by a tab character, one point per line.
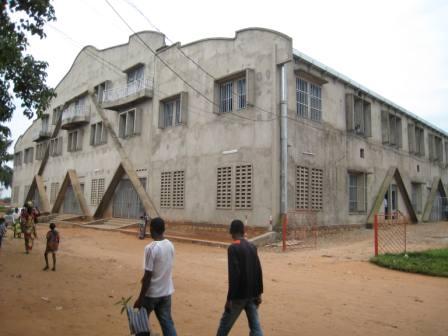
126	203
71	204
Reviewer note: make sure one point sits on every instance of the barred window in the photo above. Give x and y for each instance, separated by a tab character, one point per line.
178	189
243	187
54	189
165	189
315	102
226	97
224	188
302	98
129	123
357	192
241	93
308	100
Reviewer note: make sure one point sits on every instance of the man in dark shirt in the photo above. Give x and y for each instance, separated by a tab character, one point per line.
245	283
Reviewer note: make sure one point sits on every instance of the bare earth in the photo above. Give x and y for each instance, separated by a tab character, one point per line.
331	290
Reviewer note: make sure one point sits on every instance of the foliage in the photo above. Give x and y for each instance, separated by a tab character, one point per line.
431	262
123	302
21	76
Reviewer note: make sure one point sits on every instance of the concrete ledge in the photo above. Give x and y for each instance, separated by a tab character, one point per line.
264	239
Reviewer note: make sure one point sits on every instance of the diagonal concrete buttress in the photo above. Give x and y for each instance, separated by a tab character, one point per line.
38	185
71	179
126	163
392	173
435	186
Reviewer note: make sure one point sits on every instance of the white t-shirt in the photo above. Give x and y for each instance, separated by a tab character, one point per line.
159	259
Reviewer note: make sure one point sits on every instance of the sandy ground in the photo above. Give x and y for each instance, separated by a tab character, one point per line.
330	290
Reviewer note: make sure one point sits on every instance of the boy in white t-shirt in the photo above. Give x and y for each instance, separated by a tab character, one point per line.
157	281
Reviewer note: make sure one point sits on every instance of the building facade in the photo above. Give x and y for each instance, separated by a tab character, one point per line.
192	133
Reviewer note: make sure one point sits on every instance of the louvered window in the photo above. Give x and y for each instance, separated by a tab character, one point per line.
243	187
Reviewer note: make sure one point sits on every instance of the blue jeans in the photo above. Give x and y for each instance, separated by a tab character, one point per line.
229	317
162	308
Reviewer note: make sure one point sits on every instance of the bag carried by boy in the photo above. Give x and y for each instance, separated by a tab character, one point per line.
138	321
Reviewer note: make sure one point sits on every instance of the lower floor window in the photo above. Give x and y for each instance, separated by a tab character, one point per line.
357	192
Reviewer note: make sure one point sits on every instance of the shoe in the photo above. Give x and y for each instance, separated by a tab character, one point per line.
45	268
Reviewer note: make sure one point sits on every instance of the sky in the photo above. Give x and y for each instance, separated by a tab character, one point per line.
398	49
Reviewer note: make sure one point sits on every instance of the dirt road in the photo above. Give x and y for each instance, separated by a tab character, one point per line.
332	290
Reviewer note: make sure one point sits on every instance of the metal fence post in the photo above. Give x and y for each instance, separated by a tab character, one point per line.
375	230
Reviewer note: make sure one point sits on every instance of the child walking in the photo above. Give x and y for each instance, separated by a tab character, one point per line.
2	230
52	246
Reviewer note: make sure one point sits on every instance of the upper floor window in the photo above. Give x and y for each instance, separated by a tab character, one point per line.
17	159
308	100
358	115
235	92
416	140
173	111
129	123
100	89
56	115
74	142
40	150
45	123
391	129
55	146
98	134
136	74
435	147
29	155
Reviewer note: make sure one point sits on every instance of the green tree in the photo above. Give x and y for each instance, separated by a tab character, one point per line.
22	78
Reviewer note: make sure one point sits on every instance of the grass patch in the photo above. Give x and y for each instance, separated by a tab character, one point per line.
430	262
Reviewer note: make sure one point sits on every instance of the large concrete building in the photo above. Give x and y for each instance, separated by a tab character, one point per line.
193	133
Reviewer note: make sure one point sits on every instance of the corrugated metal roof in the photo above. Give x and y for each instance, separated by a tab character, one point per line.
355	84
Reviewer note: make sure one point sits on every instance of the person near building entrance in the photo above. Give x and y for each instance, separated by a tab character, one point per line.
157	282
245	283
29	229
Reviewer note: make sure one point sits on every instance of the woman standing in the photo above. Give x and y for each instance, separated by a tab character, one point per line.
28	220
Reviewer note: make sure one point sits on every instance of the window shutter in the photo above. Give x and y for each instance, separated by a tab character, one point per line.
103	133
183	107
399	133
79	139
138	121
92	134
368	119
122	125
349	110
216	97
59	146
385	126
411	138
250	87
161	115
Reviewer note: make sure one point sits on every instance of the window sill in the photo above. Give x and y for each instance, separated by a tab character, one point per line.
357	213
